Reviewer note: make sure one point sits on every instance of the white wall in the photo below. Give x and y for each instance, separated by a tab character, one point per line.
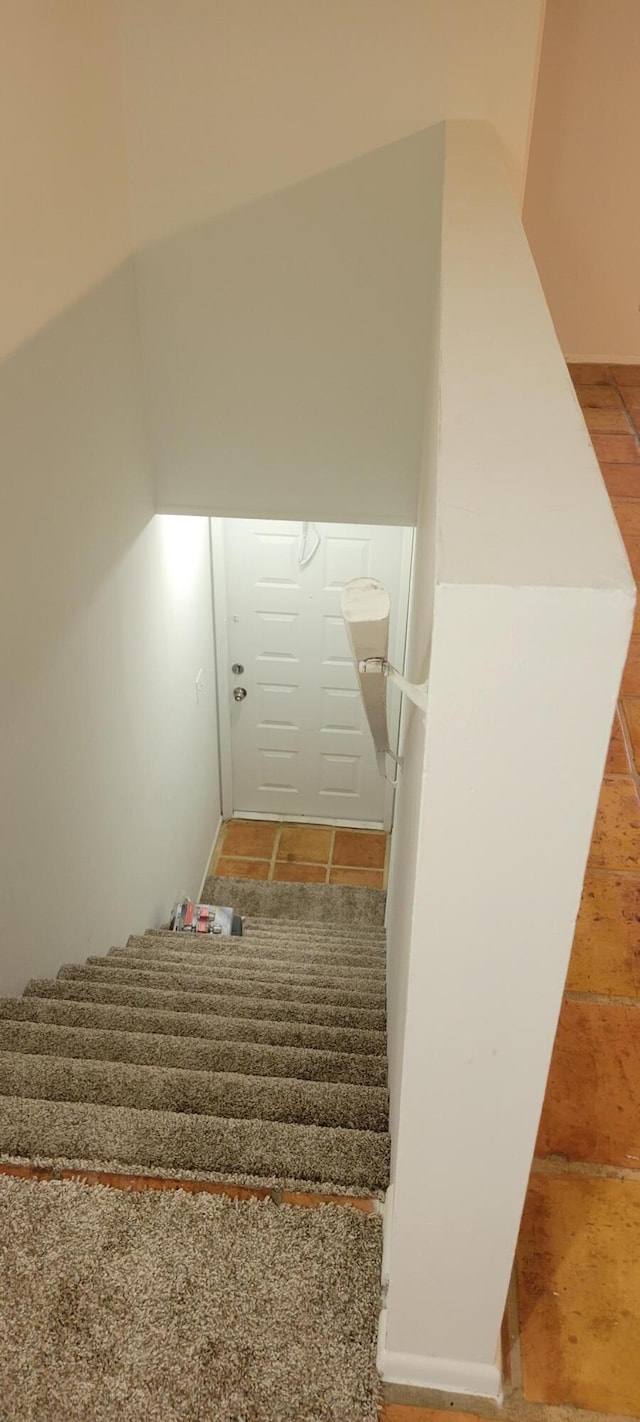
284	193
228	103
286	345
107	762
532	615
402	869
582	204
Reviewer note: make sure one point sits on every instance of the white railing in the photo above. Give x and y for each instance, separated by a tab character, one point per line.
366	609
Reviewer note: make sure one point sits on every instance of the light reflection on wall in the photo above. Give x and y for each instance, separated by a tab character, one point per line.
183	540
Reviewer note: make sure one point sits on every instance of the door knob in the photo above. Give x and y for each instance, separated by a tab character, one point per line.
239	693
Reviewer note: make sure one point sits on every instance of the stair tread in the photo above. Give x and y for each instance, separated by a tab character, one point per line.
335	906
195	1053
293	966
348	951
174	1089
181	999
314	932
30	1128
184	1023
245	980
261	1056
301	928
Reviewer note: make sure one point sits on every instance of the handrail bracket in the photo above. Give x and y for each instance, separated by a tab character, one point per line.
417	692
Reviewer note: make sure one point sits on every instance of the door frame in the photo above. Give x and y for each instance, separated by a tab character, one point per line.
221	663
397	653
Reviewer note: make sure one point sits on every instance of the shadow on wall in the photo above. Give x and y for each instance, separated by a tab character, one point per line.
287	353
76	479
87	615
286	344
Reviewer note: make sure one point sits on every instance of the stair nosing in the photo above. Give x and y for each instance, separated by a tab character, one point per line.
185	1003
263	1030
169	967
208	987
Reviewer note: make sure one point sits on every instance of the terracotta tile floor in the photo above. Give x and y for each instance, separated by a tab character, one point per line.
573	1323
310	854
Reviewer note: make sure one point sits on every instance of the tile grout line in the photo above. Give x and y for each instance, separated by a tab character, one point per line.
588	1169
326	868
330	858
621	389
267	859
632	875
601	999
274	855
628	745
512	1314
514	1408
629	416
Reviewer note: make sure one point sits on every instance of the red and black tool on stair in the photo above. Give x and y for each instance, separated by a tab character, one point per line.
188	917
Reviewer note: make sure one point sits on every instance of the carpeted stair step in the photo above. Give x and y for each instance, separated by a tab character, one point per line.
282	944
292	967
279	945
33	1128
87	989
172	1306
189	1053
275	971
321	933
363	991
247	953
310	903
329	927
322	929
152	1088
262	1056
71	1012
246	980
363	935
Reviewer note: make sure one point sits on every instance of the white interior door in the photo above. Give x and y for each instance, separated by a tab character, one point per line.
300	745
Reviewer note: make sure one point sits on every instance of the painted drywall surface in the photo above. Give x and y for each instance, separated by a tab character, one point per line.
65	222
537	512
107	760
504	839
532	616
282	182
582	208
286	345
228	103
406	826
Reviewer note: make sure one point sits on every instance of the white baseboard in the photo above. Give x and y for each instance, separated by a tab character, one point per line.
437	1374
304	820
209	857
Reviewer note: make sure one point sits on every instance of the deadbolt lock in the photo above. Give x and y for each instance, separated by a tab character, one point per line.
237	669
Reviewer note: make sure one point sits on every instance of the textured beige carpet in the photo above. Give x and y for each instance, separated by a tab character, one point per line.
263	1055
118	1307
320	903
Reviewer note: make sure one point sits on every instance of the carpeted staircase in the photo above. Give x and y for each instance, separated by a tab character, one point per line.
261	1058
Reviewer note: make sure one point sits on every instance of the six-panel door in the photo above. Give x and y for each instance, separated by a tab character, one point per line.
300	742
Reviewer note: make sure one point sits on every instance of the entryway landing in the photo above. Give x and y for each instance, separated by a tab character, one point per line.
295	853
